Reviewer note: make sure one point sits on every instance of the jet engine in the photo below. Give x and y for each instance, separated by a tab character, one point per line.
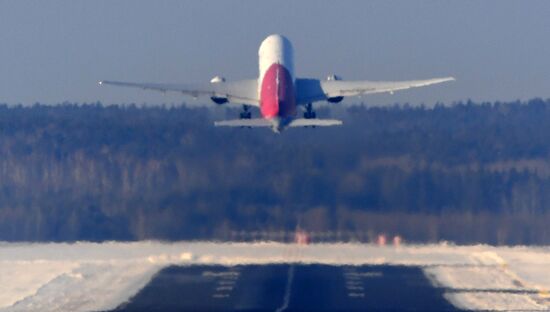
216	99
335	99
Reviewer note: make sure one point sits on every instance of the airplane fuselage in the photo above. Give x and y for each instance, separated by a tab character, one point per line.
276	82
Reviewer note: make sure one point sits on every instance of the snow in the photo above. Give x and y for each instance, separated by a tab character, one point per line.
91	287
472	278
495	302
100	276
21	279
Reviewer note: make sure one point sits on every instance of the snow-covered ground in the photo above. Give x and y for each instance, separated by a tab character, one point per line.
93	277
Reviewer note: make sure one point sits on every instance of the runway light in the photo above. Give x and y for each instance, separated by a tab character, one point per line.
301	237
381	241
397	240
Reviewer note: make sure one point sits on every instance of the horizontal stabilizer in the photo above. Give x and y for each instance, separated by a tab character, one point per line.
261	122
254	122
314	123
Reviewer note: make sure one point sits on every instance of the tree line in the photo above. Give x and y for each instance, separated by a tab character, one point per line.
470	172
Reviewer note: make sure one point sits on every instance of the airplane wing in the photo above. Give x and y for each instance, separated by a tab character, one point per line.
311	90
241	92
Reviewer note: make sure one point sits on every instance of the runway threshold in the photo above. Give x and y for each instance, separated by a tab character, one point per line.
289	287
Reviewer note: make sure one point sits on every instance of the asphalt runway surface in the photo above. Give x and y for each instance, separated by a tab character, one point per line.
289	287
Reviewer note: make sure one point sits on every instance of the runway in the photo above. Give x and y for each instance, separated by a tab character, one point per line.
289	287
179	276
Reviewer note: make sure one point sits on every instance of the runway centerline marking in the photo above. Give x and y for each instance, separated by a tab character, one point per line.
288	289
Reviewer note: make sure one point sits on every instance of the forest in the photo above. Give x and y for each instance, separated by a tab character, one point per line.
466	173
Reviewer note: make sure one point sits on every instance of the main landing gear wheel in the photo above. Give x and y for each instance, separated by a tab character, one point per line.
245	114
309	113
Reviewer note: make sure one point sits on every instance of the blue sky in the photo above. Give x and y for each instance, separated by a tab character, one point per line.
54	51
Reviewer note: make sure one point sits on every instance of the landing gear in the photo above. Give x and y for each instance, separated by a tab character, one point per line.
309	113
245	114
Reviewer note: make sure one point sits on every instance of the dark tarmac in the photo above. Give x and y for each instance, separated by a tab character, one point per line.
289	287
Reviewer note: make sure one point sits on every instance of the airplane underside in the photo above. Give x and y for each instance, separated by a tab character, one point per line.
278	123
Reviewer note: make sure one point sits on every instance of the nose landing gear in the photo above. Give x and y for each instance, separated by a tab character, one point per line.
309	113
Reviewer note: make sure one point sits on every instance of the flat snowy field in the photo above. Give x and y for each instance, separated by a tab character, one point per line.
94	277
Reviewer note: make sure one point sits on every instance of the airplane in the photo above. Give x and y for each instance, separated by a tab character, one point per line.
277	92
